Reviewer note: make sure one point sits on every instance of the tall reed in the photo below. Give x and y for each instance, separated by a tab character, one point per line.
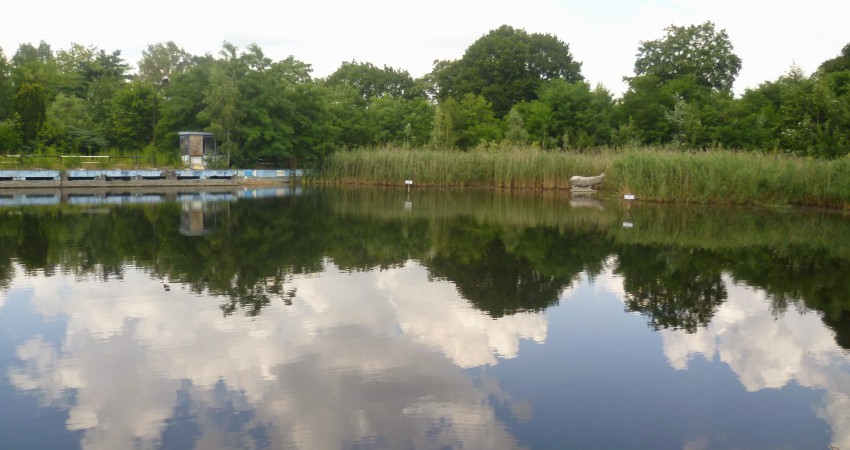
717	177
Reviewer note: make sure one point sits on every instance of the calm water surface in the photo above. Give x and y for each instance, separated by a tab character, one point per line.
323	319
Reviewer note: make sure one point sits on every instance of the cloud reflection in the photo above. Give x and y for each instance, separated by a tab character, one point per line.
766	351
367	359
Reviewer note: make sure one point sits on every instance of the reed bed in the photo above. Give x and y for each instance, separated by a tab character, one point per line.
511	168
713	177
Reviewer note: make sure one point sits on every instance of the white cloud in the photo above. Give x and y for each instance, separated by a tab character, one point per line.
763	350
410	35
130	347
768	352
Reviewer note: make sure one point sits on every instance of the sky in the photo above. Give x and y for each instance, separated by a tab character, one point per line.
604	35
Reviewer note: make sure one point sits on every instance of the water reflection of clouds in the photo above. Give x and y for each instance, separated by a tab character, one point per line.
358	358
765	350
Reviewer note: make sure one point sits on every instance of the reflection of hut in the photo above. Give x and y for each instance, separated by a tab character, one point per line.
197	149
198	218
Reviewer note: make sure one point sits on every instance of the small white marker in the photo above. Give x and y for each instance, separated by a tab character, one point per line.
629	196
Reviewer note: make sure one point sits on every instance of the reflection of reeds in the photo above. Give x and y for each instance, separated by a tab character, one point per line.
712	228
716	177
516	208
737	229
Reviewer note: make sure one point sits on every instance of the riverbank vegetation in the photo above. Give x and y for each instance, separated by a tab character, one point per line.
668	175
677	133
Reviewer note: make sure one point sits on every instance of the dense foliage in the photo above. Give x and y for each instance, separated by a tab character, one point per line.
509	86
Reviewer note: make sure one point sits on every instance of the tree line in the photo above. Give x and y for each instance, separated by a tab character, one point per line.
509	87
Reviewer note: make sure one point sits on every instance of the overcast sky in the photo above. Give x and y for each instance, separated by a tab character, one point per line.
604	35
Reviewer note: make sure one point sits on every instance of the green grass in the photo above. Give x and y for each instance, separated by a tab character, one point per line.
713	177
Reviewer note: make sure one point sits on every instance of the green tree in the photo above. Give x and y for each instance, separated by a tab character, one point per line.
286	114
10	137
348	109
372	105
72	64
466	123
131	115
31	110
163	59
837	64
506	66
374	82
221	108
516	133
569	115
36	65
181	109
682	88
69	127
696	50
401	120
7	89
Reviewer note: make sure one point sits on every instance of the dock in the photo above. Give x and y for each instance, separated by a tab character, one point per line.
85	178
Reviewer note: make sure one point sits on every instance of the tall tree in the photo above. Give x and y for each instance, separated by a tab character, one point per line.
69	127
181	109
374	82
131	113
401	121
35	65
682	83
839	63
506	66
696	50
72	64
31	110
164	59
6	87
465	124
221	108
569	115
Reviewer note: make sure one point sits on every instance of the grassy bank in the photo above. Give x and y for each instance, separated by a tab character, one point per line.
716	177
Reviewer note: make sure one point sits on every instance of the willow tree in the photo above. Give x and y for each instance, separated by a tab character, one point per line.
31	109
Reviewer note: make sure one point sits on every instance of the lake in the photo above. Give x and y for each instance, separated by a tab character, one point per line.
431	319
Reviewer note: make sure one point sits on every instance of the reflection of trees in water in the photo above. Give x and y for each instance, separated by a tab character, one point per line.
528	276
671	269
676	288
497	282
